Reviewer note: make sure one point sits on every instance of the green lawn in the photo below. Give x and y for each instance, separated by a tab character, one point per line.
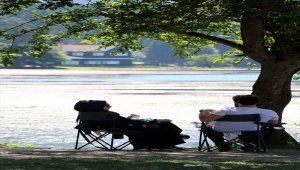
15	145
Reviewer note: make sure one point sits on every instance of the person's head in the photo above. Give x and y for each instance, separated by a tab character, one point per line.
107	106
245	100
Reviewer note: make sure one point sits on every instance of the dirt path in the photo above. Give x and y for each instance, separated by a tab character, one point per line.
271	155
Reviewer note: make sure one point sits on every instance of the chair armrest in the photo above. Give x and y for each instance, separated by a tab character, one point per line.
269	125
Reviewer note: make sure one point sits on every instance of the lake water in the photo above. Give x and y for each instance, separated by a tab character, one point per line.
36	106
135	78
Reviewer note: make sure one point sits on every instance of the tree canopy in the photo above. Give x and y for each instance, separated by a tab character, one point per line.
187	25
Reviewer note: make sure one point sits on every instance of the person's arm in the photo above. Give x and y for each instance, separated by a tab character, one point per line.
273	122
207	116
133	116
274	118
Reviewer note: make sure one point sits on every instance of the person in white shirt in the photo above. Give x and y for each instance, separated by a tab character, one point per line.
244	104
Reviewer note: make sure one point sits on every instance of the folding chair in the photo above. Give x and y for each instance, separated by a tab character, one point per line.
254	118
105	121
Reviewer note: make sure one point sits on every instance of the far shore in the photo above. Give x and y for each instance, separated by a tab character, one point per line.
114	70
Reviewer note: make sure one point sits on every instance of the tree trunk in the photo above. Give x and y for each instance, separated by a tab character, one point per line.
278	65
273	87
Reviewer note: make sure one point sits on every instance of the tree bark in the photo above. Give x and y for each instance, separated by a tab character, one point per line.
273	87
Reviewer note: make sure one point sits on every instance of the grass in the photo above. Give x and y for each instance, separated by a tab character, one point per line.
15	145
137	163
140	164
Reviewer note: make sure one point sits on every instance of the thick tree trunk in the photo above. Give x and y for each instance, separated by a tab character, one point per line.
278	65
273	87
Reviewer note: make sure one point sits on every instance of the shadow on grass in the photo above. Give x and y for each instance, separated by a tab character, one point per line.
139	164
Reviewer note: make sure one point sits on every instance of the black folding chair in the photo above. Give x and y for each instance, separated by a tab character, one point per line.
254	118
105	121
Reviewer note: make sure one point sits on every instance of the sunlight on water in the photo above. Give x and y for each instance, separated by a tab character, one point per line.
135	78
42	113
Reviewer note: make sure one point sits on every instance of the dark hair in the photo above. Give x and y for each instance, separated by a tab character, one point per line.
90	105
245	99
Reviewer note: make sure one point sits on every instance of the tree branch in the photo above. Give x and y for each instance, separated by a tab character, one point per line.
215	39
11	28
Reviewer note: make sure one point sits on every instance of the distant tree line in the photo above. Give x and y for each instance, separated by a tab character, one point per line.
52	59
161	53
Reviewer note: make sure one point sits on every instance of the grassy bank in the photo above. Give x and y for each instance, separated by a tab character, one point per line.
140	164
15	145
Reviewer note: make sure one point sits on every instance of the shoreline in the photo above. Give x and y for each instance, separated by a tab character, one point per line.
74	72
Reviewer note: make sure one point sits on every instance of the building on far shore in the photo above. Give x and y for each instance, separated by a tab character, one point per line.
91	55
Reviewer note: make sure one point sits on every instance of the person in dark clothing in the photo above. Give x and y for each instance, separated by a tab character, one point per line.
147	133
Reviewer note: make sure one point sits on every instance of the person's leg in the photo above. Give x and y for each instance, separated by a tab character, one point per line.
249	139
267	131
218	139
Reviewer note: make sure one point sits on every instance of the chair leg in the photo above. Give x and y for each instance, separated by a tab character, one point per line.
203	138
207	145
76	144
98	142
257	143
263	142
112	142
200	141
87	140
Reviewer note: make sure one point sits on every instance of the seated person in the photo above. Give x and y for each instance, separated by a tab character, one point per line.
150	133
243	104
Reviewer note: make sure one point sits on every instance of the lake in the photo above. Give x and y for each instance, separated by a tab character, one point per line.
36	106
135	78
